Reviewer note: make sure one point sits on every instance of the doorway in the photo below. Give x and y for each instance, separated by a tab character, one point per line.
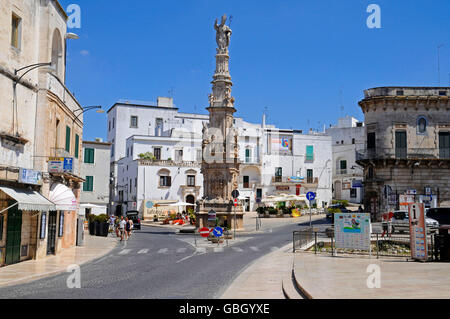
191	200
51	240
13	235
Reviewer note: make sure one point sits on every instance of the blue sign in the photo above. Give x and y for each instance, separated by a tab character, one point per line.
218	232
311	196
68	165
29	176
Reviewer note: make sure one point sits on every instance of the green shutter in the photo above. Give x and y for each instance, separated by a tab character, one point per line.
88	186
310	153
67	139
77	145
89	154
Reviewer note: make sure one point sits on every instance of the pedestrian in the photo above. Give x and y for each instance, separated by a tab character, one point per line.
130	227
127	228
112	220
122	226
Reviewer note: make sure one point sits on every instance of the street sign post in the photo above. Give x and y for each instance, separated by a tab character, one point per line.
310	196
218	232
204	232
235	195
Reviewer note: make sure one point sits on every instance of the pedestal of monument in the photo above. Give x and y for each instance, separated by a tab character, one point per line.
224	212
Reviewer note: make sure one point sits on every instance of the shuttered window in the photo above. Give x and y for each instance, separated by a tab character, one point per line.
77	146
67	139
88	186
89	154
309	153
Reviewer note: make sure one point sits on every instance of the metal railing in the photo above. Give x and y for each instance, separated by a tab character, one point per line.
382	245
402	153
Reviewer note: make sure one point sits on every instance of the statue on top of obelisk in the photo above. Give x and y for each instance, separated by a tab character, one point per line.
223	35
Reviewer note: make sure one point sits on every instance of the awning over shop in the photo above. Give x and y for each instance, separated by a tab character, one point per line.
63	198
29	200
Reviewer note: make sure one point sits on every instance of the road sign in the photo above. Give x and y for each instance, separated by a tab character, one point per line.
204	232
212	215
311	196
235	194
218	232
235	202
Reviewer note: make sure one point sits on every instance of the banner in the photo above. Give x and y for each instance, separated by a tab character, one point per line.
352	230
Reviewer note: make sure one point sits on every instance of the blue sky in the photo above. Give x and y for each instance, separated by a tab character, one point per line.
294	57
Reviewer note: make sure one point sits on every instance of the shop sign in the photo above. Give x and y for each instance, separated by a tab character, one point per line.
60	165
418	232
30	177
283	188
357	184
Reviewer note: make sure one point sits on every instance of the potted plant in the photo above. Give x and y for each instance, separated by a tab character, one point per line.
91	219
103	225
273	212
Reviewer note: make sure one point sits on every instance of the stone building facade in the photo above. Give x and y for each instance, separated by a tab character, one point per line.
407	147
39	122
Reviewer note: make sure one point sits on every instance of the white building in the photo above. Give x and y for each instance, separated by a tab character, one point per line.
94	197
348	137
269	157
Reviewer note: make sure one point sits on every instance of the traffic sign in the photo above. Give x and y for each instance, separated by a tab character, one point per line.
235	194
235	202
204	232
212	215
311	196
218	232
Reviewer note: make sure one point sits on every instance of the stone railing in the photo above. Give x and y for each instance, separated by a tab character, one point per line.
409	153
144	162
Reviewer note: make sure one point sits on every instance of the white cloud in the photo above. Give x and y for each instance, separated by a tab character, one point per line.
84	52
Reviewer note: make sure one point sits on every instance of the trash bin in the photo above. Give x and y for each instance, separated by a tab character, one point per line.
442	244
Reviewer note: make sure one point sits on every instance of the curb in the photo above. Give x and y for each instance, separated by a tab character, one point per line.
297	285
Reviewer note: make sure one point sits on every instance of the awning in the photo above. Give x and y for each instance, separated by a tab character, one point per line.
63	198
29	200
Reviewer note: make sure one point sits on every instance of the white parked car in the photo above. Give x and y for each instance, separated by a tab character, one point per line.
400	222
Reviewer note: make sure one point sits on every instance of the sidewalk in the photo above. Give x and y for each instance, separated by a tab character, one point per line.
345	277
94	248
263	279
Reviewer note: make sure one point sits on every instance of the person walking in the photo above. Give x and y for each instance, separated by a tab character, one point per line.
122	228
127	228
130	227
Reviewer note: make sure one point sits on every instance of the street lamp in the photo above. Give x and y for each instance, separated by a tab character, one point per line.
30	68
89	108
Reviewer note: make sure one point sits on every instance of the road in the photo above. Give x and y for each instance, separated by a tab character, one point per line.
159	264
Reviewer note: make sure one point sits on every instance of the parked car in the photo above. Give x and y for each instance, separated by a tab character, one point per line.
330	209
134	216
400	222
442	215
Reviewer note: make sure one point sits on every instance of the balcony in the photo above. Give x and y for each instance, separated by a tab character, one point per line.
284	180
402	153
251	161
144	162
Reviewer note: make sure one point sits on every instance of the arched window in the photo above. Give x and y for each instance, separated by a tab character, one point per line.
57	53
422	125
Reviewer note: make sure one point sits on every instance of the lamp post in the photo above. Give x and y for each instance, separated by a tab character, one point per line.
88	108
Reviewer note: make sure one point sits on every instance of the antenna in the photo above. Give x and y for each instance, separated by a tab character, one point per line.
231	20
341	102
170	92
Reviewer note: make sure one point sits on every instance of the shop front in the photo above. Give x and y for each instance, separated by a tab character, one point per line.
21	211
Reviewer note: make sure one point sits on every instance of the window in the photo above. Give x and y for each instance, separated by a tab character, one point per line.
89	154
444	145
248	155
114	123
309	153
109	126
258	193
178	155
247	139
199	155
113	147
353	193
131	151
370	174
371	138
61	224
134	122
67	139
88	186
400	92
165	181
400	144
77	146
353	141
1	227
16	31
159	127
442	93
421	125
343	166
310	176
191	180
157	153
246	182
278	174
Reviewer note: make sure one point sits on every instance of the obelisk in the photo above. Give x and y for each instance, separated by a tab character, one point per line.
220	165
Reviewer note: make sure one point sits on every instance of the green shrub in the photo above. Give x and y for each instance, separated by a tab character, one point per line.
92	218
273	211
101	218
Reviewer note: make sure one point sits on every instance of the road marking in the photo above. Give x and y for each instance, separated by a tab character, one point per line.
237	249
254	248
218	250
201	250
143	251
181	251
163	251
125	251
